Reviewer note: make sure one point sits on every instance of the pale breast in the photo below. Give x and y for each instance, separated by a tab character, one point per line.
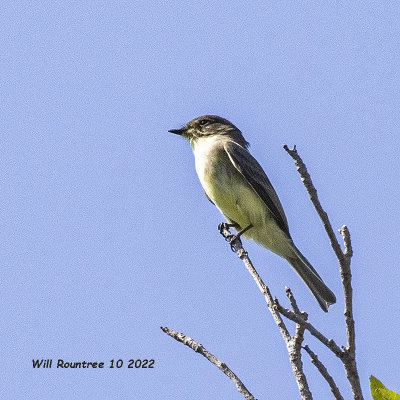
224	185
212	167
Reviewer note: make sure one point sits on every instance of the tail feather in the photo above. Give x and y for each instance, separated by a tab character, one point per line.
314	282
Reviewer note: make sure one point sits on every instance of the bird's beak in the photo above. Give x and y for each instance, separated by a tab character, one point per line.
177	131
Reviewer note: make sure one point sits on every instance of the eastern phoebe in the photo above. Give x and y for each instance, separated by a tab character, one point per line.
234	181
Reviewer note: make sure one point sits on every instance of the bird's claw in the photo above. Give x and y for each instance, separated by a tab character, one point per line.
233	240
221	227
225	225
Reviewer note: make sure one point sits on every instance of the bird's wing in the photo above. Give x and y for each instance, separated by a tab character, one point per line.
251	170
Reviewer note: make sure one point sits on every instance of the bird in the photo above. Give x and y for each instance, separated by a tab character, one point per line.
236	184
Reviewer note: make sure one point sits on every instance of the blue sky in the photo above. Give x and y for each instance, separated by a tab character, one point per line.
105	231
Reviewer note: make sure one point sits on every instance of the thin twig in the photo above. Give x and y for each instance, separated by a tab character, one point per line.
198	348
329	343
312	192
293	302
348	250
324	372
345	273
299	333
294	345
349	360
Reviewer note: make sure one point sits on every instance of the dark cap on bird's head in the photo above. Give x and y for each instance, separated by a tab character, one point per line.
209	125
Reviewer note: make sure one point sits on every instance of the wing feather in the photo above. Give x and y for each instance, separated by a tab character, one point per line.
251	170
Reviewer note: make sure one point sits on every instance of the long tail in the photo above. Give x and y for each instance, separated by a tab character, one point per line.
314	282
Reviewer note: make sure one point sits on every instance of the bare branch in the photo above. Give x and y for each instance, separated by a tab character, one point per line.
294	350
329	343
298	337
293	344
299	334
312	192
324	372
292	301
243	255
345	274
198	348
348	250
349	361
347	355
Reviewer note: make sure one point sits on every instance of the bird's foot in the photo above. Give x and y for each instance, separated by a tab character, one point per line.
233	240
225	225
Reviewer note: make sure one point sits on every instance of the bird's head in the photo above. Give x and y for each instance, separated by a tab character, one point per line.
209	125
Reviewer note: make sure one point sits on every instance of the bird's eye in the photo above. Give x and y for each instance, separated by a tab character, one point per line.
203	122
